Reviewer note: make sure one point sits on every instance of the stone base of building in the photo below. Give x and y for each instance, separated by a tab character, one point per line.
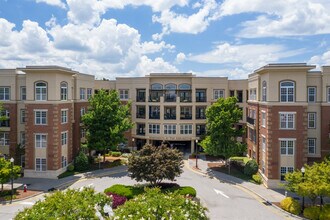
49	174
270	183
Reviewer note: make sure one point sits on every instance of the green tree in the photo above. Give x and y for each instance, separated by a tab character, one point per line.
106	120
316	181
70	204
221	136
154	164
156	205
6	171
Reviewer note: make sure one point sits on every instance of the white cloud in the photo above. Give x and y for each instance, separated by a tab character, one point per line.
321	60
6	32
153	47
182	23
57	3
231	73
180	57
158	65
281	17
249	56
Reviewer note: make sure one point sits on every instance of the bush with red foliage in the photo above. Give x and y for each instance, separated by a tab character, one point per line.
117	200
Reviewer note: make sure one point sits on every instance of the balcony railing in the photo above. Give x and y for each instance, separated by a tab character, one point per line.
185	99
200	116
200	99
141	116
154	116
170	116
251	121
140	98
170	98
139	132
186	116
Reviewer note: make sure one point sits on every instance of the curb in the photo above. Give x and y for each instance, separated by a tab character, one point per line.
239	185
21	199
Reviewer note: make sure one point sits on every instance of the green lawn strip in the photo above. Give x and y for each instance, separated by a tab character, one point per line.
234	172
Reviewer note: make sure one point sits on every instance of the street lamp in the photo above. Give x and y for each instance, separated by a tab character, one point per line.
196	152
303	179
133	143
12	178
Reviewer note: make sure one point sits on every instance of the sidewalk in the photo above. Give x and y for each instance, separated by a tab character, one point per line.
268	195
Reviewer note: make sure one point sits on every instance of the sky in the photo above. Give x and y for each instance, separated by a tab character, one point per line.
119	38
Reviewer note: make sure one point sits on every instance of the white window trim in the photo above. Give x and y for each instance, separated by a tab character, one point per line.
294	146
123	96
66	138
40	110
21	116
35	140
170	129
328	94
9	93
311	146
40	164
294	121
157	128
314	113
217	92
308	95
21	93
67	112
82	96
263	119
186	129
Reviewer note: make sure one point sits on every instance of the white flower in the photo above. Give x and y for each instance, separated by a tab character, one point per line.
107	209
99	215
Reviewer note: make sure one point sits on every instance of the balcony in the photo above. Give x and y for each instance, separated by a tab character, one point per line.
140	98
200	116
251	121
185	96
170	98
186	116
154	116
169	116
200	99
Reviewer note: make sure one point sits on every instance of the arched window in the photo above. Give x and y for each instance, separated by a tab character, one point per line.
287	91
184	86
156	86
170	86
64	91
40	91
264	91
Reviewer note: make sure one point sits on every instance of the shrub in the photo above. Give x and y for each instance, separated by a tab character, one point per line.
257	178
290	205
325	212
312	213
117	200
156	205
69	204
115	153
126	155
184	191
250	168
127	191
81	162
70	168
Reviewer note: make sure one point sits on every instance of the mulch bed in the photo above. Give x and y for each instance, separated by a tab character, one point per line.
20	194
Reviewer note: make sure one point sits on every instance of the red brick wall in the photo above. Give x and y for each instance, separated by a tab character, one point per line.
300	133
76	128
12	108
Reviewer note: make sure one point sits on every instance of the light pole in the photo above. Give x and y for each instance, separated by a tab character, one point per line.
99	159
196	152
303	180
133	143
12	179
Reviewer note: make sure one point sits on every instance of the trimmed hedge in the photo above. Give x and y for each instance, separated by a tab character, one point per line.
127	191
70	168
115	153
251	168
257	179
183	190
312	213
291	205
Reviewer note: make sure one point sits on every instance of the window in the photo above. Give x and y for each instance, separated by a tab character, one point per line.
41	140
200	95
200	129
82	93
41	164
287	146
40	117
41	91
200	112
287	120
154	112
311	120
22	111
82	112
328	93
6	119
186	129
170	129
287	91
263	159
64	116
4	93
311	145
63	161
89	93
4	138
218	93
263	119
185	112
140	111
23	93
140	129
154	128
285	170
239	96
123	94
232	93
263	142
64	138
64	91
82	133
264	91
156	86
22	138
311	94
253	94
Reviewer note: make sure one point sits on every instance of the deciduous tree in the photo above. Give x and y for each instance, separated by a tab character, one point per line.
154	164
106	120
221	137
6	171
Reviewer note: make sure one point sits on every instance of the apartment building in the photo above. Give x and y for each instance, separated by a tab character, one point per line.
43	105
288	121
